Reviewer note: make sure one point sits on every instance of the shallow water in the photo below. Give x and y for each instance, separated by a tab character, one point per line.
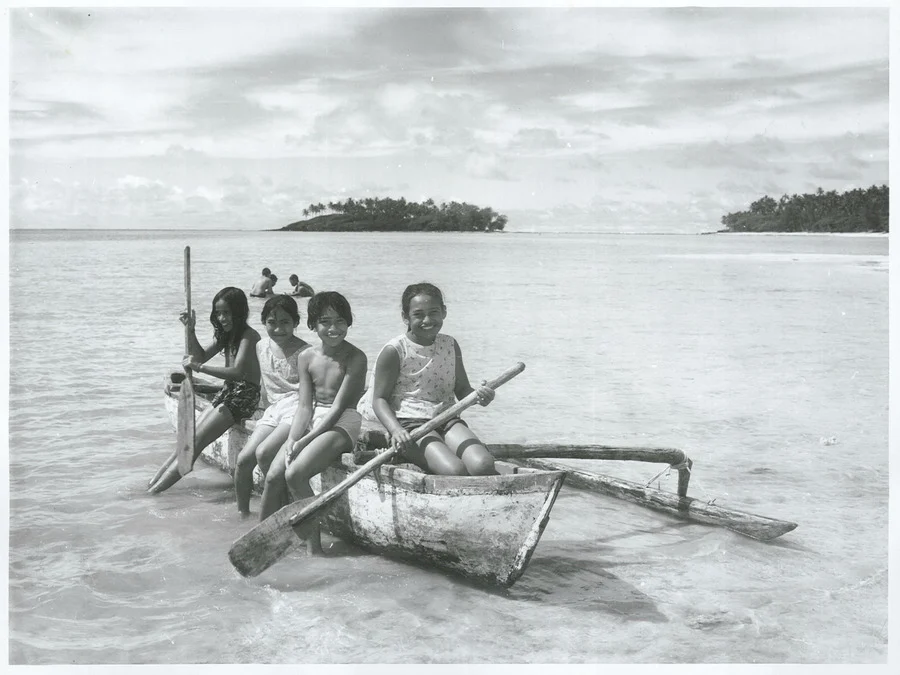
751	354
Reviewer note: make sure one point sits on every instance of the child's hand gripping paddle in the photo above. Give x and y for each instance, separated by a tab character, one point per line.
186	432
266	543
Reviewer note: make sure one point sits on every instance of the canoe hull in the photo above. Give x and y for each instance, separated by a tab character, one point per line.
484	528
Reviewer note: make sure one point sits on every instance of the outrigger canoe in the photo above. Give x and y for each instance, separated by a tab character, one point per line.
470	546
482	528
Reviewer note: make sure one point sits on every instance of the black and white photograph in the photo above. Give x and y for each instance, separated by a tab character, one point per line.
465	335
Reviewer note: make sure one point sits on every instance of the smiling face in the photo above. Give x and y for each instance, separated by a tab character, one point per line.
280	326
331	328
425	318
223	315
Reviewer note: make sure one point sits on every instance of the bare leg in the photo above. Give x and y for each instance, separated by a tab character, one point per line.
314	459
477	458
275	489
167	465
162	469
212	424
432	455
267	450
243	468
264	453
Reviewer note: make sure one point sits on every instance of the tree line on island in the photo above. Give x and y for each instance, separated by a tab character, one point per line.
854	211
398	215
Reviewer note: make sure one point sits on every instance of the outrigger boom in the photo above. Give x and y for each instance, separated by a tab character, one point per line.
679	505
676	459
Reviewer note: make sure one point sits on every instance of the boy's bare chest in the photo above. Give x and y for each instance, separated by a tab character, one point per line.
327	372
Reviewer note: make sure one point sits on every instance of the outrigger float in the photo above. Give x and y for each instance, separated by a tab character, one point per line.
482	528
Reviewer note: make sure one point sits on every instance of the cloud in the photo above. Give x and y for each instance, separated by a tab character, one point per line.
179	152
486	165
589	161
239	115
835	172
756	154
537	140
43	111
153	202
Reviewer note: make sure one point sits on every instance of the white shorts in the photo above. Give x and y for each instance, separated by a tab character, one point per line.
280	412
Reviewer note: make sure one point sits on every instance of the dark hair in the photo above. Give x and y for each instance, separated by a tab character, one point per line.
323	301
285	302
266	271
423	288
294	279
273	278
237	302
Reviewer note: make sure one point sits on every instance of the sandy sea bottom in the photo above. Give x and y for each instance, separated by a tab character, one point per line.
764	358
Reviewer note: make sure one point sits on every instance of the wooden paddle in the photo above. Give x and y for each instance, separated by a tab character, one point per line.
266	543
186	432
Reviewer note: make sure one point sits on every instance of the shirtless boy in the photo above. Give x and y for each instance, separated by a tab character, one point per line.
263	286
326	424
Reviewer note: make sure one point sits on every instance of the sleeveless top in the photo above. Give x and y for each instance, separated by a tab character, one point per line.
280	376
427	377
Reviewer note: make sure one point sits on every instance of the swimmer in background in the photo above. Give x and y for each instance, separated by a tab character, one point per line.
300	288
263	286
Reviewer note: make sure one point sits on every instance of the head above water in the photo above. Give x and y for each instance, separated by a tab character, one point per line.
284	302
322	302
266	271
274	279
294	279
423	288
236	301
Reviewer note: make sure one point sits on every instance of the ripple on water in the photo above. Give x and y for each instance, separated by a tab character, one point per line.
701	354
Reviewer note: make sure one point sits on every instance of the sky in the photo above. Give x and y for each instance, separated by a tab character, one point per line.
564	119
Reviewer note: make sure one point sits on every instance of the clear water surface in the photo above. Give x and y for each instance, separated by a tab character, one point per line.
764	358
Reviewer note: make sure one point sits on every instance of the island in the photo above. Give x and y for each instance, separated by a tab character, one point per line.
853	211
397	215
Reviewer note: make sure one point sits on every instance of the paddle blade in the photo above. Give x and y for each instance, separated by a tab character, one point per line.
262	546
265	544
185	434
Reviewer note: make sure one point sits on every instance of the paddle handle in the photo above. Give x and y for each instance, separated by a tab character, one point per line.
187	302
468	401
329	496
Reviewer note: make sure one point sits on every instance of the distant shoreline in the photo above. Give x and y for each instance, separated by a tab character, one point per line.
800	234
21	230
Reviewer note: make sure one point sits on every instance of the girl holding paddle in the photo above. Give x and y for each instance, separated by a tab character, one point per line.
238	399
417	376
278	356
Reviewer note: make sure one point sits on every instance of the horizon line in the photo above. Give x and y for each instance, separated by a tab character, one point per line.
151	229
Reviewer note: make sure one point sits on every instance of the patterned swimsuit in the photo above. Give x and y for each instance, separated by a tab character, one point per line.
240	398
